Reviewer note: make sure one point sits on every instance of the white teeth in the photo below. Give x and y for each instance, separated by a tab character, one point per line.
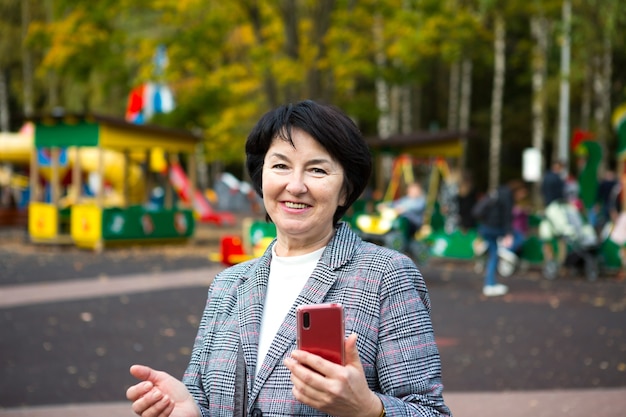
295	205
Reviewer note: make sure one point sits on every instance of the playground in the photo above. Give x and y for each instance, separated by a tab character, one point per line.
433	160
96	181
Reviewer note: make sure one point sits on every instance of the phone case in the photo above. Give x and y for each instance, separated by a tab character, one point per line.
321	330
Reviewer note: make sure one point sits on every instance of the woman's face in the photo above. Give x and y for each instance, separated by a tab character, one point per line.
302	187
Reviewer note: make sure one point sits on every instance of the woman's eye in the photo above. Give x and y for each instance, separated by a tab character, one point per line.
318	171
279	166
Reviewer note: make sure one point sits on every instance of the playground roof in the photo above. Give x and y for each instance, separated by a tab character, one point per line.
421	144
109	132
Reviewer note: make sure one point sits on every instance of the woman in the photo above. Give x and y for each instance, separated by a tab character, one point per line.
309	163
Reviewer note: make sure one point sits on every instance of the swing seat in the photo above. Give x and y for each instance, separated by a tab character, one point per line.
376	224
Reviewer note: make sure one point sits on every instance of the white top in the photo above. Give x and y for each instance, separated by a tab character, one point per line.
288	274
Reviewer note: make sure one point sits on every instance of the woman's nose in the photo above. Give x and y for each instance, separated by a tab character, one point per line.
296	184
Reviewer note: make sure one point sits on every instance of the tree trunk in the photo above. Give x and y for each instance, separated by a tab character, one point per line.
416	106
585	104
453	96
394	109
382	105
27	62
539	30
604	99
53	79
496	101
289	13
563	150
317	88
406	111
466	103
382	90
269	84
4	102
382	102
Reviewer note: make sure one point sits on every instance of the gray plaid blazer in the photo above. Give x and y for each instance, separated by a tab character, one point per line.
386	303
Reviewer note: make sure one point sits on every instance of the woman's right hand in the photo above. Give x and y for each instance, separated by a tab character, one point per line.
160	395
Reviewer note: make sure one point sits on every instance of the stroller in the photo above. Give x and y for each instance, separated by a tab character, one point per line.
564	226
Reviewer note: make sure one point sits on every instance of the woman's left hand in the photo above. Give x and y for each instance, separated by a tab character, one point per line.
333	389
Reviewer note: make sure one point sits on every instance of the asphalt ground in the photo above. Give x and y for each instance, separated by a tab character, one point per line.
73	321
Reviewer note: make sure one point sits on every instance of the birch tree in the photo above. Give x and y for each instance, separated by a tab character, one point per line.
564	95
609	15
16	66
27	61
9	36
497	93
539	28
454	95
382	89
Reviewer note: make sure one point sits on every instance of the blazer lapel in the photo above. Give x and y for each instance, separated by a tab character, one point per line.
250	296
313	292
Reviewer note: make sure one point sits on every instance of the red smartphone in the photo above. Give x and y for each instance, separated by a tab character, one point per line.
321	330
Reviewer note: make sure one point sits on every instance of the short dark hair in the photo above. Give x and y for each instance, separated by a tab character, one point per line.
330	127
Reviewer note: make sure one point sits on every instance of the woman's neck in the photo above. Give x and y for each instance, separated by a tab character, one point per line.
290	246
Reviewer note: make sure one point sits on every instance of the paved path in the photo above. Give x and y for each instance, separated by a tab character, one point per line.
447	289
47	292
573	403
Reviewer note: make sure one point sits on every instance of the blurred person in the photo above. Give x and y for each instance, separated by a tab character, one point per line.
466	199
520	215
448	200
571	193
410	207
617	214
309	163
494	213
602	208
553	184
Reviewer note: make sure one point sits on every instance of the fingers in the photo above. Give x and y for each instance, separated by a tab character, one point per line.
307	370
143	373
306	382
322	366
139	390
328	387
148	400
352	353
314	364
153	404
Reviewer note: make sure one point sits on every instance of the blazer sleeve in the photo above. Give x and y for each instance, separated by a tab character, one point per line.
408	362
221	301
192	377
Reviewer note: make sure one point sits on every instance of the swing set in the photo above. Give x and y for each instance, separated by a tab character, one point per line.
430	158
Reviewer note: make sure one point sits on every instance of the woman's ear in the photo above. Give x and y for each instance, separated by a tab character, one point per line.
343	196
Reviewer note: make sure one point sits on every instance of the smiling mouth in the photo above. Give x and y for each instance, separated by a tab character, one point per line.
292	205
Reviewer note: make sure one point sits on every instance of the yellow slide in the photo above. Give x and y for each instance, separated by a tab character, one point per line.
15	148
